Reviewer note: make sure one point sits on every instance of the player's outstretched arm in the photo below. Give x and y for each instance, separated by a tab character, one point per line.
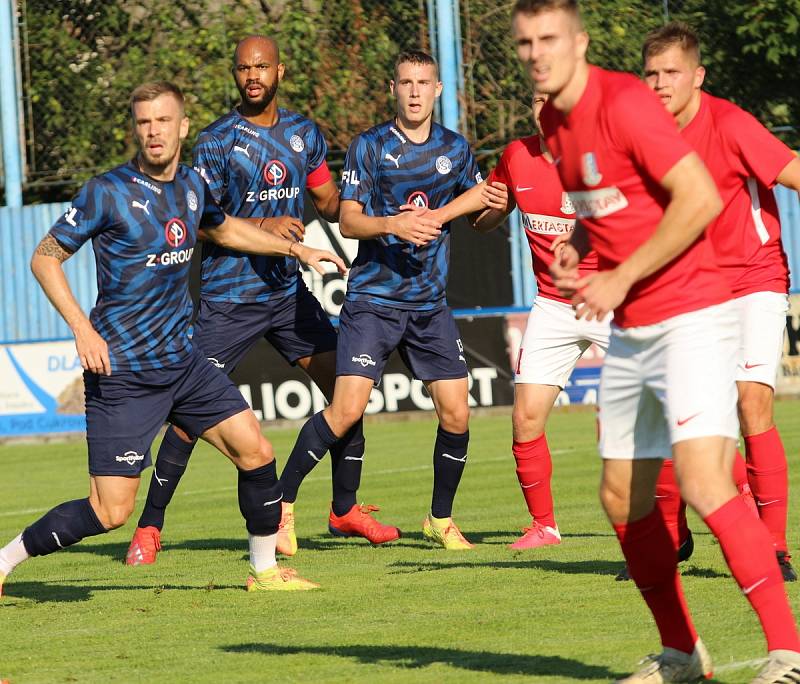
485	204
326	201
46	265
242	236
417	225
694	203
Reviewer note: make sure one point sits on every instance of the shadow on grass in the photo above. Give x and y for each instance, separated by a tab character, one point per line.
587	567
413	657
48	592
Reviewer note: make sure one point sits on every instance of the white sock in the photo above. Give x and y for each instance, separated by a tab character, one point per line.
12	555
262	551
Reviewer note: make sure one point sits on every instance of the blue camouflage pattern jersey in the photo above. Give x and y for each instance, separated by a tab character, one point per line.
143	233
257	171
384	170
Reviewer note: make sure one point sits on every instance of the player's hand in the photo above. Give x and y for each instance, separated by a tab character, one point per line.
315	258
417	225
495	196
560	240
564	269
92	350
598	294
284	226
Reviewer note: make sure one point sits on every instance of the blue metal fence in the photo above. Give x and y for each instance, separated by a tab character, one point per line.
25	313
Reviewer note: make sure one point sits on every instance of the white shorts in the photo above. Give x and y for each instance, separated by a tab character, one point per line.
553	342
669	382
762	316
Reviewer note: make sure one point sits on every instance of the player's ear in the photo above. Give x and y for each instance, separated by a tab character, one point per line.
699	76
281	71
391	87
184	127
439	87
581	44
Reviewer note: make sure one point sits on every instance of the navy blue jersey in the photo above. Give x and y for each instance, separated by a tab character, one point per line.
143	232
384	170
257	171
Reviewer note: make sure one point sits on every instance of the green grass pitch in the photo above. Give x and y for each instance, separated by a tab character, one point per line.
405	612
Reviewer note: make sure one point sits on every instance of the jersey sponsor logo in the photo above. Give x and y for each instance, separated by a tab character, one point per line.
591	174
147	184
245	129
144	207
175	232
130	457
272	194
275	172
191	200
350	177
397	134
364	360
181	256
244	150
444	165
396	159
543	224
296	143
70	215
598	203
418	199
567	207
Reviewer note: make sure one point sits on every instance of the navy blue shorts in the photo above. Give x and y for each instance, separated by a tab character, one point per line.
297	326
125	410
428	341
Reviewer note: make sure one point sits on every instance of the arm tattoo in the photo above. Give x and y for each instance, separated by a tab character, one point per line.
49	247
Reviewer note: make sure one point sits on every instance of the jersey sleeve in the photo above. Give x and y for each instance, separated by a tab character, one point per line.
208	159
470	174
317	172
359	177
84	218
762	154
213	215
642	125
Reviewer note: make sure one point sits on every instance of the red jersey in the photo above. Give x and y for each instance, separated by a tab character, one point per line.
744	159
612	150
546	209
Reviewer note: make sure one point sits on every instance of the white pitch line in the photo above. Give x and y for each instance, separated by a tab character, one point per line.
321	478
757	662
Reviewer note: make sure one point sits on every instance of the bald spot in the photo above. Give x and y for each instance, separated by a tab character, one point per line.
264	46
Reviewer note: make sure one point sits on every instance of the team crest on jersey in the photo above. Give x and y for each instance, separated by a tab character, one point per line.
296	143
191	200
175	232
418	199
444	165
567	207
274	172
591	174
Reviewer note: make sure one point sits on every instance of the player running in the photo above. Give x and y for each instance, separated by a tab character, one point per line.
258	160
554	340
746	162
395	298
643	197
140	368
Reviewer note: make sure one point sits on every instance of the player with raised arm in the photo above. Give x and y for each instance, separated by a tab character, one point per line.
643	199
394	173
140	368
746	162
554	340
258	160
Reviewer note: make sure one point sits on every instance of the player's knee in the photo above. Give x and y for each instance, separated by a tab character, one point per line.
755	410
615	499
113	516
260	453
341	418
455	419
526	424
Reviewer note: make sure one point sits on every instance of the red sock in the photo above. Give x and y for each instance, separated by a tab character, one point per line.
669	502
767	472
745	542
534	470
653	565
743	484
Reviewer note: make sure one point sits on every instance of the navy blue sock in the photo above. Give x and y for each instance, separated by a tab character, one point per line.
449	459
170	465
347	459
62	526
260	496
314	440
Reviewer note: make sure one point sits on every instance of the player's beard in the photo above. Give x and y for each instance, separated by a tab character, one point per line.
266	97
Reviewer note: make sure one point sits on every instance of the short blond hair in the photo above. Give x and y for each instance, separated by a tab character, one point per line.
149	91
